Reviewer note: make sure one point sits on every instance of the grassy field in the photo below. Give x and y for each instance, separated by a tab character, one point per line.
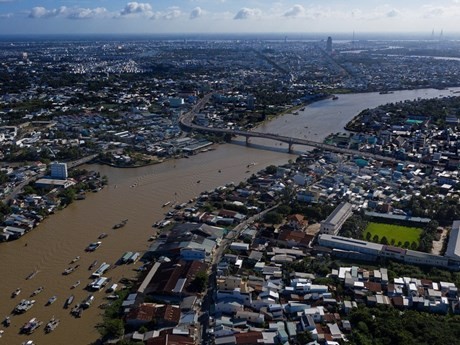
395	234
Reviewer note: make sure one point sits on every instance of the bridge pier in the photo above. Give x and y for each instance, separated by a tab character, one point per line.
247	141
290	145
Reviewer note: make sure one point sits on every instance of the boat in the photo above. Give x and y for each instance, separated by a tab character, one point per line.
30	326
51	325
75	260
198	181
103	235
87	302
166	203
33	274
6	321
70	269
28	342
76	311
335	98
15	292
23	306
76	284
93	246
69	301
121	224
37	291
93	264
51	300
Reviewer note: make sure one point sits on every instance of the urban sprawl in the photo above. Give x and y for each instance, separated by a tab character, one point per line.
322	250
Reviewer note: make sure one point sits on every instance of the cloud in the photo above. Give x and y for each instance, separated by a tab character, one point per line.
65	12
137	8
197	12
295	11
86	13
42	12
247	13
172	13
393	13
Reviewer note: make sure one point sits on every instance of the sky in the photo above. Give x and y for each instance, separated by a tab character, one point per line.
227	16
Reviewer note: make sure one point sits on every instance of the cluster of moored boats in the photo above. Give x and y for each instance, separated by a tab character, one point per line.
26	304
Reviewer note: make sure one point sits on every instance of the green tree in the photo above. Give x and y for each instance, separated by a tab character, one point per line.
375	239
384	240
200	282
273	218
111	328
271	169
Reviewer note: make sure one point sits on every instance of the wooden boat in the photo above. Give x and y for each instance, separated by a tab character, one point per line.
51	325
15	292
76	284
69	301
33	274
94	263
121	224
75	260
51	300
37	291
103	235
7	321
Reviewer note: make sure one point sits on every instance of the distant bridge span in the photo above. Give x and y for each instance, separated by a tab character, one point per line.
289	140
187	118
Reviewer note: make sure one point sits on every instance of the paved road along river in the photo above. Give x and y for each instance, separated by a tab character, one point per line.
137	194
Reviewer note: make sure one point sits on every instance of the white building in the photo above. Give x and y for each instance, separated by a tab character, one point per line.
334	222
453	246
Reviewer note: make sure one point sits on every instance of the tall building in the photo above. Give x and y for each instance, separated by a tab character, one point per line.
329	44
59	171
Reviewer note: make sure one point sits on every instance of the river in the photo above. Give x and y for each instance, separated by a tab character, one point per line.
138	194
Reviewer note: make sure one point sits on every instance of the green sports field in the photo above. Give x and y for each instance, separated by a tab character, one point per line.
395	234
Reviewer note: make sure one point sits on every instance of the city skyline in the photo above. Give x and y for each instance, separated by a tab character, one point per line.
226	16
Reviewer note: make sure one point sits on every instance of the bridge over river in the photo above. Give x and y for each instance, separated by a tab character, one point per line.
186	124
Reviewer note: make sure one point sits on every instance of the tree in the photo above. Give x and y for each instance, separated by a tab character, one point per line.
368	236
271	169
375	239
200	282
384	240
273	218
111	328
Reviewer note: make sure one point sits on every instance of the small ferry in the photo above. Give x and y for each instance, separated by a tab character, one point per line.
31	326
23	306
15	292
51	325
51	300
37	291
69	301
93	246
